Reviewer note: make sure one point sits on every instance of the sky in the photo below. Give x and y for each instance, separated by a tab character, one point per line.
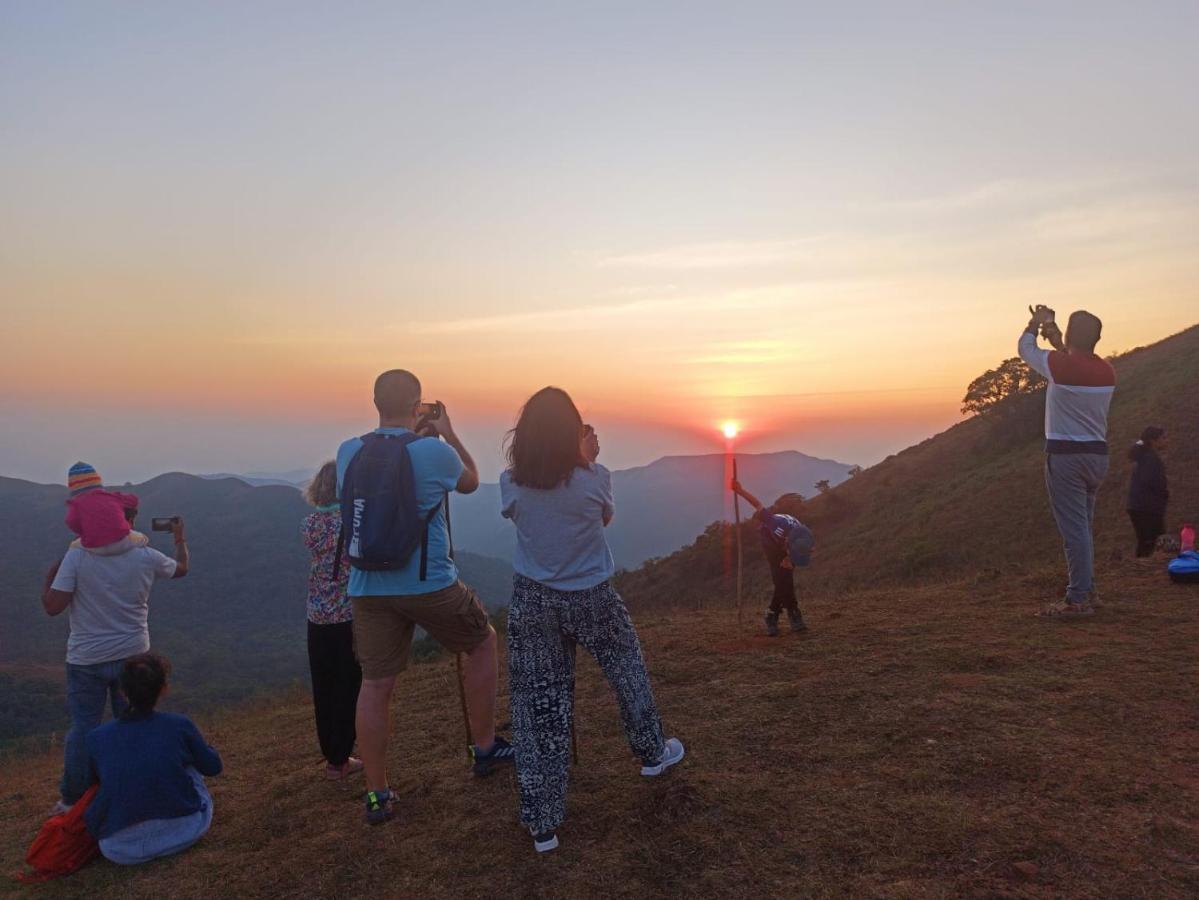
219	221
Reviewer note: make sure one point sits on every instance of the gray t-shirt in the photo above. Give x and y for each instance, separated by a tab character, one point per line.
560	532
110	611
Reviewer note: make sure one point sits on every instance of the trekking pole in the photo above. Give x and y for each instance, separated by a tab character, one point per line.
737	527
465	713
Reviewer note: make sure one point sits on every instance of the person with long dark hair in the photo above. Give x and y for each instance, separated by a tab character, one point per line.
1148	491
152	800
336	675
560	500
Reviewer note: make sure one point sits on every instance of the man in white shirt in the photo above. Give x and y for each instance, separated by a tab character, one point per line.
1080	390
107	599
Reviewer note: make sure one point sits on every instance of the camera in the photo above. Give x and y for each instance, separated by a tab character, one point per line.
427	412
1041	307
165	523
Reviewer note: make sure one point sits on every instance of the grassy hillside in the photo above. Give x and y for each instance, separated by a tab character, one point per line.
968	501
921	742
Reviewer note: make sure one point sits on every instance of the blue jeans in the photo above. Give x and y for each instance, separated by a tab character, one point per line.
88	689
160	837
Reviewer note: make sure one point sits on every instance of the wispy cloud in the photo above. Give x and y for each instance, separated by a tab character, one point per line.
721	254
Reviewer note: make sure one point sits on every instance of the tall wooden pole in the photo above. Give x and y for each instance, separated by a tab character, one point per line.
737	528
465	712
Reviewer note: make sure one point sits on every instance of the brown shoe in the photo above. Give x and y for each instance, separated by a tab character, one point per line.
1064	609
351	766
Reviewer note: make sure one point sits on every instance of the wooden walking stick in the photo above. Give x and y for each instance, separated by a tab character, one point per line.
470	741
737	527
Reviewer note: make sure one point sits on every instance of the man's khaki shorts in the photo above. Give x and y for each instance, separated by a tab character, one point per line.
383	626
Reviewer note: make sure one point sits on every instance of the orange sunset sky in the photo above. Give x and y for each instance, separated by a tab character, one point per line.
219	223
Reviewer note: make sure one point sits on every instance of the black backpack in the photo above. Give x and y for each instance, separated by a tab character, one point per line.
381	526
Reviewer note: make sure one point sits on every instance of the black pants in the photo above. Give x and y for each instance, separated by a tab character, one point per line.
336	678
1148	526
784	579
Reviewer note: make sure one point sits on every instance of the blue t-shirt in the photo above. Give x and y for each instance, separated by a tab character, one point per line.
560	532
141	765
436	468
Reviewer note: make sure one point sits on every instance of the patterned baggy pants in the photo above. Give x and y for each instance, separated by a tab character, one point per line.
544	626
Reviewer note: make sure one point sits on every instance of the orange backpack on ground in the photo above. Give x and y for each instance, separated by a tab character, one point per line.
62	846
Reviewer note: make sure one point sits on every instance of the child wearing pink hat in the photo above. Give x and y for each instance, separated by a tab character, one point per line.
97	515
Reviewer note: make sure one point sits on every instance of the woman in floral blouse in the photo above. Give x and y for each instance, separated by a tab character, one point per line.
336	676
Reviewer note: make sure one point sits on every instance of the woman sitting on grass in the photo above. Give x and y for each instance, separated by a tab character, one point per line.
152	799
560	500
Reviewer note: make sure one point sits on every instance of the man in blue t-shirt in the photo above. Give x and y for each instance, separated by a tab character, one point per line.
787	543
388	605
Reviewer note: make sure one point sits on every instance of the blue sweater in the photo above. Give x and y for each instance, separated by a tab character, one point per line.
141	766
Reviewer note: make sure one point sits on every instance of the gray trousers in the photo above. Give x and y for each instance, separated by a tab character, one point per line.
1073	481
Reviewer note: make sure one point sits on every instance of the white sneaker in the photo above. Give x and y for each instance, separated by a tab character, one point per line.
544	843
672	752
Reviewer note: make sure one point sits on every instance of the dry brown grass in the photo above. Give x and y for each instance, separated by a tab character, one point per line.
926	741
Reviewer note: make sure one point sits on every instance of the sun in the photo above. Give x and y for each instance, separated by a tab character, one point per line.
730	430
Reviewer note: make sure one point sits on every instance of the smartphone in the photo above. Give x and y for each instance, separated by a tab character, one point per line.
429	411
1039	307
166	523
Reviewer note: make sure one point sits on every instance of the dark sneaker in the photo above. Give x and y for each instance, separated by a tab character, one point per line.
672	752
380	807
796	619
772	624
1064	609
544	843
501	752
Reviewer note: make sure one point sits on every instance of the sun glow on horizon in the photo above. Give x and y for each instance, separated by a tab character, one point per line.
730	429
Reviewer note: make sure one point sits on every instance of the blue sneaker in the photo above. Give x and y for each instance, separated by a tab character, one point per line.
501	752
379	807
672	753
544	843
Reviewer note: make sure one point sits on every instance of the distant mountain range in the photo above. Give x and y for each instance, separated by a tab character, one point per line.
660	507
235	624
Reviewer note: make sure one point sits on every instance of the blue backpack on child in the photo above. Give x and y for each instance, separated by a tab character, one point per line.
381	525
1184	568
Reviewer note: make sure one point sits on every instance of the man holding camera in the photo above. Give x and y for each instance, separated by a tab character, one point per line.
1079	393
417	585
107	600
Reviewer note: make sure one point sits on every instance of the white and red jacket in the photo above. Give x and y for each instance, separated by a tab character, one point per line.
1079	394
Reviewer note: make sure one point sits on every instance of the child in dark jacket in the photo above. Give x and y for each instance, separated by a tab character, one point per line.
1148	491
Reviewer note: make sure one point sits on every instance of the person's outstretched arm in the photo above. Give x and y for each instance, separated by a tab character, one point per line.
181	556
738	488
468	481
1036	357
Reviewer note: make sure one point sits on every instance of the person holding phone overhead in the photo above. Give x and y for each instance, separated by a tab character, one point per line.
107	600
